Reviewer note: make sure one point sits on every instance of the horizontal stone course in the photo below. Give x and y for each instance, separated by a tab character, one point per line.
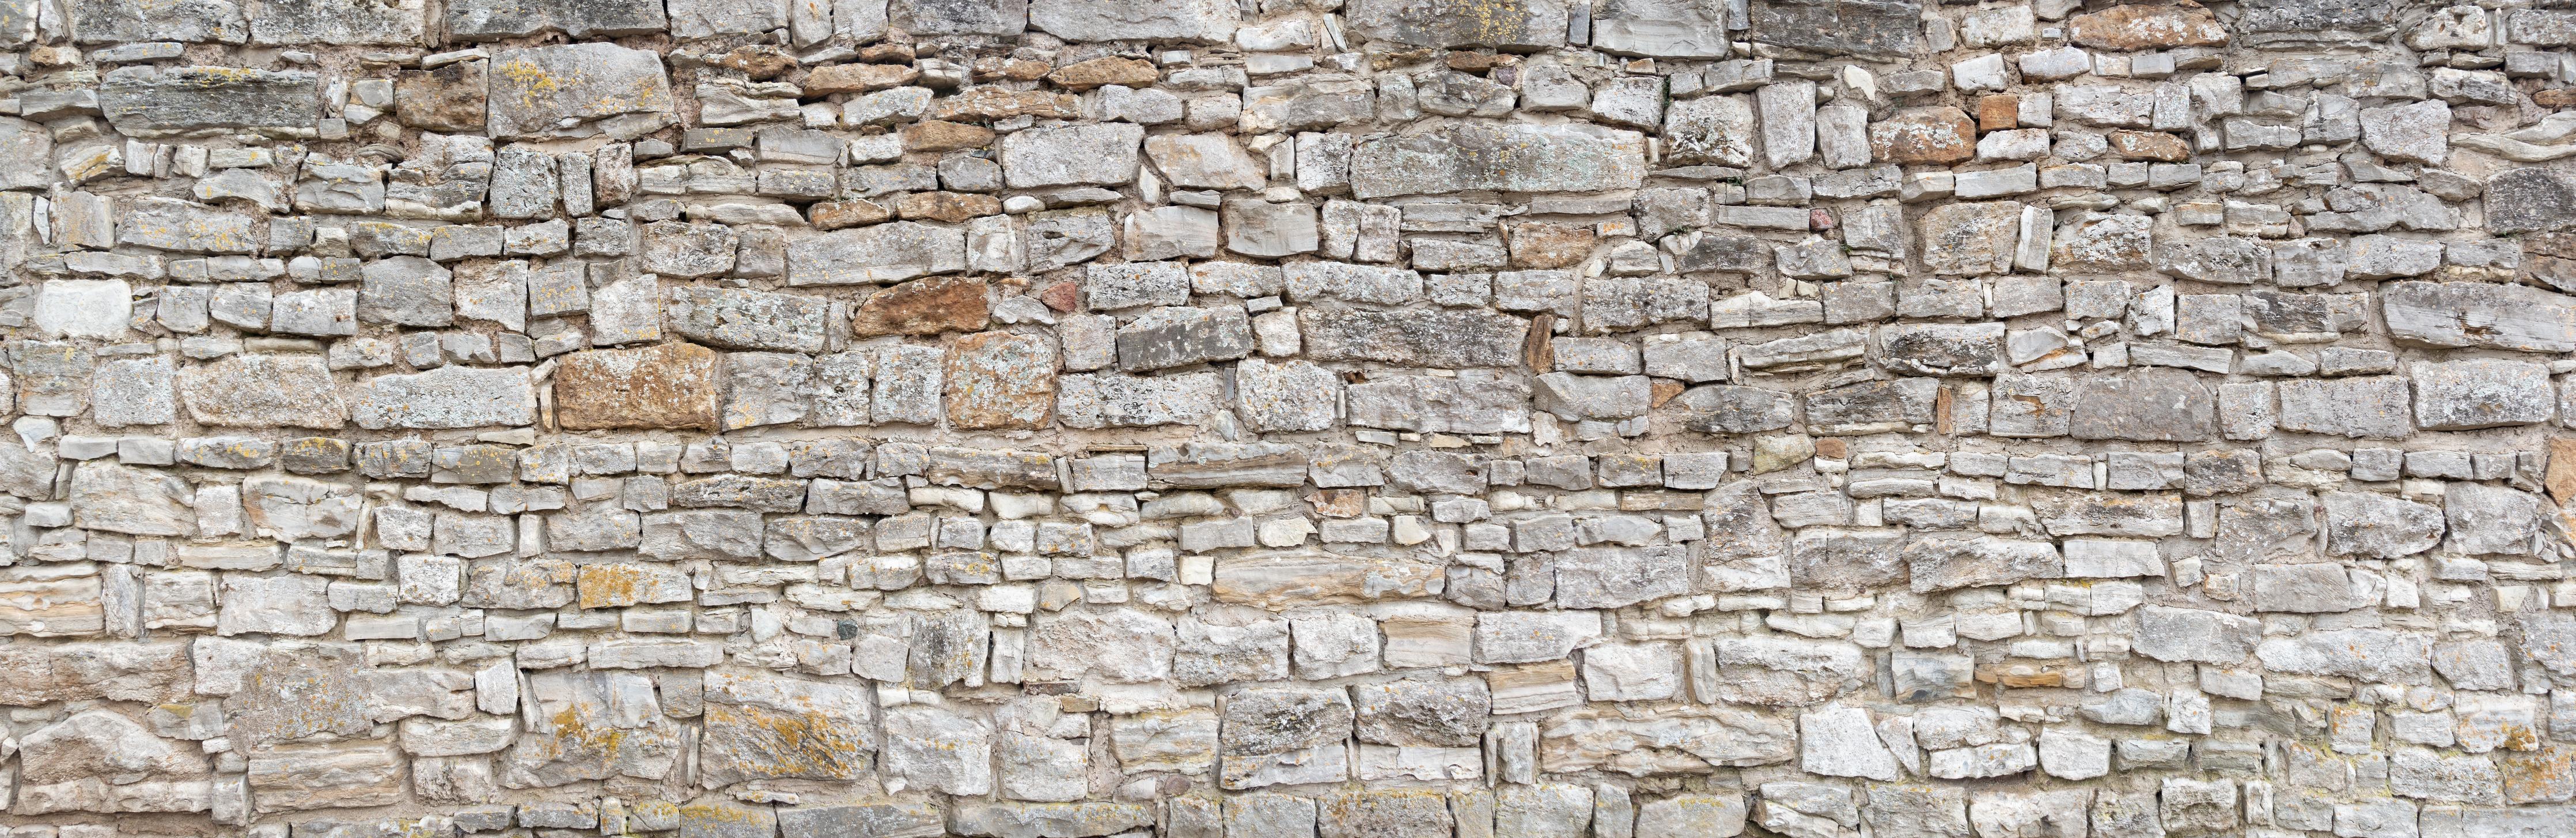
1356	419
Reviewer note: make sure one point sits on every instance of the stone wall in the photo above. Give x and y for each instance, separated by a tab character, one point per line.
1287	419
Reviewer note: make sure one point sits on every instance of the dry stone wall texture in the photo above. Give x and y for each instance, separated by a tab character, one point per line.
1287	418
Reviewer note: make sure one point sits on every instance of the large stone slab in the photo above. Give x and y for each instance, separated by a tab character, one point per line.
1504	24
263	391
1502	158
578	90
671	385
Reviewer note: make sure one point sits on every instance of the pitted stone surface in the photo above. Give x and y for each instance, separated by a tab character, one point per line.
1332	419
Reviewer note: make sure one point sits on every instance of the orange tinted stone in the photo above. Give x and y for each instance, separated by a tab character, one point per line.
923	307
672	385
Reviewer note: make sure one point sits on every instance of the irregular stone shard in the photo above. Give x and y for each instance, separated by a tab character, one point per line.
1505	158
578	90
671	385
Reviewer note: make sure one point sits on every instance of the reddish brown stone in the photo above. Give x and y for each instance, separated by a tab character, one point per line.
672	385
1085	75
2000	112
1664	390
1339	503
1014	69
937	135
759	61
989	104
2137	27
2561	477
1938	135
2150	145
835	215
951	207
1062	296
450	98
1478	62
1833	448
857	78
1820	219
887	53
924	307
1541	244
2559	98
1000	380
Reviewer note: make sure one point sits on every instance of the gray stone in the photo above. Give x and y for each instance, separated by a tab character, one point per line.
1089	154
2481	393
877	254
2155	404
1513	24
152	101
1464	157
578	90
448	397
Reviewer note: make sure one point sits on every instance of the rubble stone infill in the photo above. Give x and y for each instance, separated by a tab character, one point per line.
1287	419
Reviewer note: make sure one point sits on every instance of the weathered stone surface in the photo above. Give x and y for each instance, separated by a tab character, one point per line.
1511	24
1919	136
2157	404
1571	158
449	397
1315	400
670	385
876	254
1450	339
578	90
1000	380
925	307
262	391
153	101
2144	27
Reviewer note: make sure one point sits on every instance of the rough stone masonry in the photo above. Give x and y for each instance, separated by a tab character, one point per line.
1287	418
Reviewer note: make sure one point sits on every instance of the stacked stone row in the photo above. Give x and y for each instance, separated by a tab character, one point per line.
1287	419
